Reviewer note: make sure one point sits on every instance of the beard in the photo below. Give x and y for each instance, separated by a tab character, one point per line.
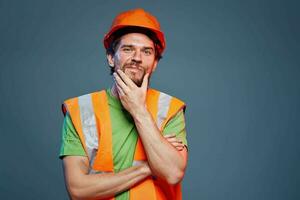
135	72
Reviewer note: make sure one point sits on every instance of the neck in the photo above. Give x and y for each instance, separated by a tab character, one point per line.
114	91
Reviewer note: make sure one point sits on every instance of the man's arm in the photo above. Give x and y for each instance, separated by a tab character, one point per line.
164	160
76	164
82	185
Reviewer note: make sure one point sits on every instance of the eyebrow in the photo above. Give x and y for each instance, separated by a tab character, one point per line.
126	45
146	48
131	46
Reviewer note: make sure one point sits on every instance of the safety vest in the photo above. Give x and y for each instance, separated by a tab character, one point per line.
91	119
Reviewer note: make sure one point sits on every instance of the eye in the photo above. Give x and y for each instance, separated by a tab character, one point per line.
127	49
148	52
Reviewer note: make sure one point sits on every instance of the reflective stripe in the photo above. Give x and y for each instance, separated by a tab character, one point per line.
92	158
92	171
137	162
163	108
89	127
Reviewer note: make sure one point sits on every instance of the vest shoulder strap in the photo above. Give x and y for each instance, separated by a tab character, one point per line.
90	116
163	106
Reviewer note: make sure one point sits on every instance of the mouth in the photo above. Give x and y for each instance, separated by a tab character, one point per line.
133	68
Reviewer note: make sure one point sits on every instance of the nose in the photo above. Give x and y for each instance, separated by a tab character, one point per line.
137	56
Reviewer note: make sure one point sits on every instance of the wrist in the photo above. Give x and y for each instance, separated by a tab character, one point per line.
145	169
139	112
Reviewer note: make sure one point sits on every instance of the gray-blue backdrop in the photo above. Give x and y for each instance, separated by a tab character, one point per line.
235	63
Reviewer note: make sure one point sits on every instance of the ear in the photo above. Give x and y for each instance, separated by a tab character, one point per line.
110	60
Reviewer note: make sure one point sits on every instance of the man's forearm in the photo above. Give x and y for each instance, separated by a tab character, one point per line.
101	186
164	160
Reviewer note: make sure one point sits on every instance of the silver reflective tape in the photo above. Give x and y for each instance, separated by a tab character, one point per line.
93	156
163	108
138	162
88	123
92	171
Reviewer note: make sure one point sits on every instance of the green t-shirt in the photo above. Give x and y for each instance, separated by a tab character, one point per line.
124	136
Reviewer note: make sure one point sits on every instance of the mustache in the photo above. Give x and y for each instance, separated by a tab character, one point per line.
131	64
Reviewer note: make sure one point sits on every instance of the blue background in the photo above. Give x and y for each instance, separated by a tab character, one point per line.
235	63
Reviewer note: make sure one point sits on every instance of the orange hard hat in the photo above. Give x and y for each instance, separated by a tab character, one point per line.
137	18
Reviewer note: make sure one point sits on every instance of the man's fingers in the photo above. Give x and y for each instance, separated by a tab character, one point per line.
120	82
178	146
125	78
174	141
171	138
169	135
120	90
177	143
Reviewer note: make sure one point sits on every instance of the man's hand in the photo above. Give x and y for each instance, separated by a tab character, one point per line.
132	97
171	138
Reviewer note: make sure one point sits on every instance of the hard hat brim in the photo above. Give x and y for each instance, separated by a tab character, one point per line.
108	38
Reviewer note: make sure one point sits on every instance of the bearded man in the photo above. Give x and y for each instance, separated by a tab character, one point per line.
127	141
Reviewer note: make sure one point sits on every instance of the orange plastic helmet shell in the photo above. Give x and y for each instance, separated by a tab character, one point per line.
136	18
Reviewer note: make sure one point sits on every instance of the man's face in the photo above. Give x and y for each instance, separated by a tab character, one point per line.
135	56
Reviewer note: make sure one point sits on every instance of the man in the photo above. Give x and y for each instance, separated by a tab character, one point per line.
129	141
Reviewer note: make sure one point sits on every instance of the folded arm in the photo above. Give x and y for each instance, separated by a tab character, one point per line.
165	161
82	185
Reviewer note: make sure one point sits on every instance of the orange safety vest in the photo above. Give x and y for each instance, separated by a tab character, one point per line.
94	130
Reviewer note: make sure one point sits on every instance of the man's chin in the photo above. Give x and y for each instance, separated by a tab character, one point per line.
138	82
132	76
136	76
